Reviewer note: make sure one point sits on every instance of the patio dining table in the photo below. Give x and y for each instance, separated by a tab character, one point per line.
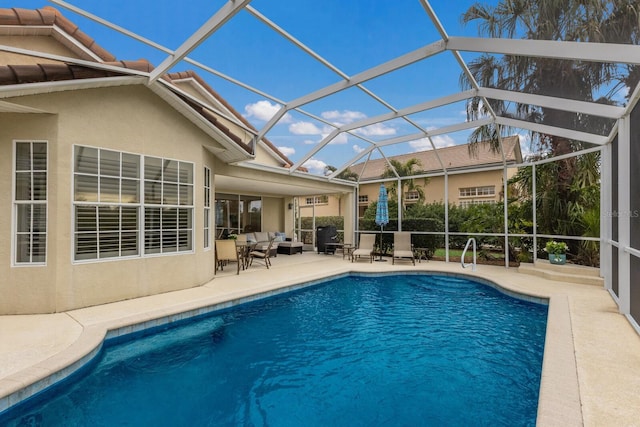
244	249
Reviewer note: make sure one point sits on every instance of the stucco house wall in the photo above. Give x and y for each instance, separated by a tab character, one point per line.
114	105
130	119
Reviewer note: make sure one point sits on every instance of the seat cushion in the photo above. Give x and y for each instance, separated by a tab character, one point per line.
261	236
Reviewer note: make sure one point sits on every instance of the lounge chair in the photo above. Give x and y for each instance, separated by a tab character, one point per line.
226	251
365	249
402	247
262	255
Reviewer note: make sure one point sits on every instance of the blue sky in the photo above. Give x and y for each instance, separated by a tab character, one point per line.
353	36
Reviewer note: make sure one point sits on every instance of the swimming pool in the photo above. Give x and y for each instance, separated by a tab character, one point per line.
357	350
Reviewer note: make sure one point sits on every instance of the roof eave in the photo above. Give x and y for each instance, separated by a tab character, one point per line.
232	152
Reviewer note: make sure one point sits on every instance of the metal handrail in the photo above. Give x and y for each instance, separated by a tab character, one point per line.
473	264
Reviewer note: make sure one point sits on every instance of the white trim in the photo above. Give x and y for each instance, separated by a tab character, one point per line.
14	204
206	220
624	221
215	22
605	220
140	206
564	50
632	251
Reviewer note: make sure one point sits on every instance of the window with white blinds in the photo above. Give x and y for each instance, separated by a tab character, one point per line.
168	205
106	203
110	213
30	203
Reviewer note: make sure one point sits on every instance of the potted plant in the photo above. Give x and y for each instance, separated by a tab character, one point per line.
557	252
232	236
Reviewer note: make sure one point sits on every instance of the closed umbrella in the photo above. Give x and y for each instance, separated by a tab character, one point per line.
382	214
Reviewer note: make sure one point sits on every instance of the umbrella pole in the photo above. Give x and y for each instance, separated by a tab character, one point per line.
381	231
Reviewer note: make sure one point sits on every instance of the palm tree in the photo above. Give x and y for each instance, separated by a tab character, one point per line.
612	21
346	174
404	169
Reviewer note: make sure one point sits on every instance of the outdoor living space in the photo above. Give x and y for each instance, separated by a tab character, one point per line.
581	383
513	131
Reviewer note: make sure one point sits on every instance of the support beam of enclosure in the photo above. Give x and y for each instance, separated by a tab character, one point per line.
591	108
552	130
382	69
228	11
577	51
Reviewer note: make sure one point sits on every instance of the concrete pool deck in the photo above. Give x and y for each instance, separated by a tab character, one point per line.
591	370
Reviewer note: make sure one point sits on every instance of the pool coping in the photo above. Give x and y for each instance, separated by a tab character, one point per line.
559	398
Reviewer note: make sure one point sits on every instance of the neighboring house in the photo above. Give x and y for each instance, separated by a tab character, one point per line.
113	186
465	188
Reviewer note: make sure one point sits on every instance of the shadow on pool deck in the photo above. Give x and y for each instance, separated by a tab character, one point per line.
591	370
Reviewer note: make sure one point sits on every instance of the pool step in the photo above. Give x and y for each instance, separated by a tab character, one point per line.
564	273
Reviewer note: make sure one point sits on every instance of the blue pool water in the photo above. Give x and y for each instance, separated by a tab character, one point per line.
398	350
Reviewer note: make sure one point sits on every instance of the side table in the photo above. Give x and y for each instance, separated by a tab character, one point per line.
347	250
421	253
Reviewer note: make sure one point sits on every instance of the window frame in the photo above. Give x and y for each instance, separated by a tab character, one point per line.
180	190
479	191
15	204
411	196
207	208
103	205
164	208
317	200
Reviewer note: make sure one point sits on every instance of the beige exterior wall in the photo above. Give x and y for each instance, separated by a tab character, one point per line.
38	43
264	157
434	190
272	214
129	119
26	289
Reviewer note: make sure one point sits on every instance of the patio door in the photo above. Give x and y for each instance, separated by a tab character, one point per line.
236	213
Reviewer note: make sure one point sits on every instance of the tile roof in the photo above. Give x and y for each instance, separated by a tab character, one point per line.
38	73
454	157
49	16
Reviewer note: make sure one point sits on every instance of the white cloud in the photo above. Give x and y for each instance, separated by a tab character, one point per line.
441	141
304	128
264	110
287	151
525	145
357	148
315	166
421	144
307	128
309	142
377	129
340	139
343	117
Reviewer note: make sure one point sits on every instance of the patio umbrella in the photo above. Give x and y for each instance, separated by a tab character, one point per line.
382	214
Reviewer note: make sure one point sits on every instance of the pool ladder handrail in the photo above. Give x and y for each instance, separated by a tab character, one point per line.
473	264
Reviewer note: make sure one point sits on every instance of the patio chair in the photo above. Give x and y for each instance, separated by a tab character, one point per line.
262	255
226	251
365	249
402	247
